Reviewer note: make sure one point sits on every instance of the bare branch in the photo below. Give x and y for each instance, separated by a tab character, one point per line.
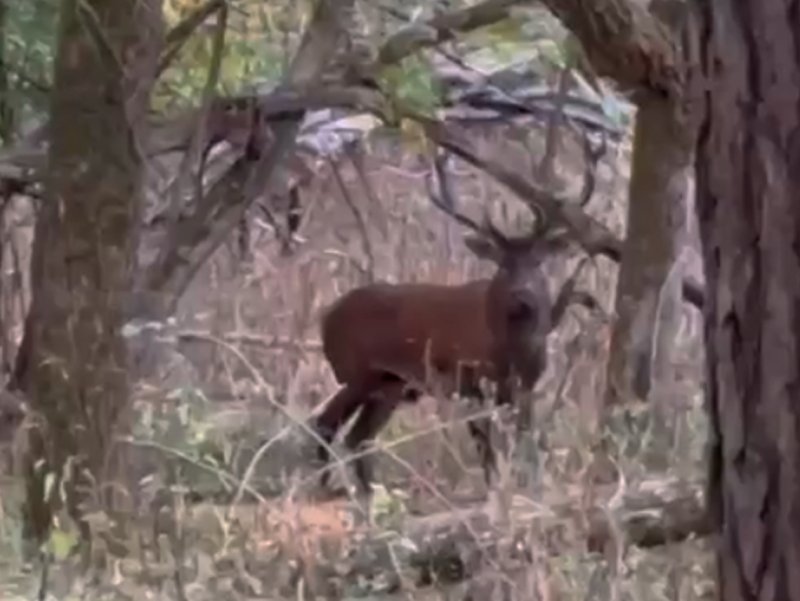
554	124
232	118
443	28
197	153
179	34
357	161
191	242
361	223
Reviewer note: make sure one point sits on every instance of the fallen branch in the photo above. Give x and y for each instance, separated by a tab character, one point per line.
442	548
452	546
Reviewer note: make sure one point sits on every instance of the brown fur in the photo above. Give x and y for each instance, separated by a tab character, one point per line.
388	342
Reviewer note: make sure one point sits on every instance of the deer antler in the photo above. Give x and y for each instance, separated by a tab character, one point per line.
441	195
541	222
593	155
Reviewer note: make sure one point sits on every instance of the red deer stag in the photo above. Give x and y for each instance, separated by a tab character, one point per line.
385	341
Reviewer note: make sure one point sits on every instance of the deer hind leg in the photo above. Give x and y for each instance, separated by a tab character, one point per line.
327	424
374	415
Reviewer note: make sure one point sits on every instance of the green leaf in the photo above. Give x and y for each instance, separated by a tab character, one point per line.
572	50
507	30
552	53
412	85
61	543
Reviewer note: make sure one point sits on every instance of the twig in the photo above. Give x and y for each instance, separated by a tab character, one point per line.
267	342
198	150
179	34
361	224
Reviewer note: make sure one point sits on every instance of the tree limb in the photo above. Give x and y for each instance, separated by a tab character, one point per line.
443	28
251	174
625	42
178	35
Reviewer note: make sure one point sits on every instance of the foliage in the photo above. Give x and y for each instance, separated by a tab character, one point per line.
29	44
412	84
258	40
225	557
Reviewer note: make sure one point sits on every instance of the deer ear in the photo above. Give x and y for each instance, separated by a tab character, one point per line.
483	247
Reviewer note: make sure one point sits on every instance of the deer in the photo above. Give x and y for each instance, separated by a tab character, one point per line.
386	342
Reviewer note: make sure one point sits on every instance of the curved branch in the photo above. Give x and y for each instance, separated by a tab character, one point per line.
443	28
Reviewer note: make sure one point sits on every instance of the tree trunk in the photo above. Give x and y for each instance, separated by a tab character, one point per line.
84	250
648	291
6	106
748	177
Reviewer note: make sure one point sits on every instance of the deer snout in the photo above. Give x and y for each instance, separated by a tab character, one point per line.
521	306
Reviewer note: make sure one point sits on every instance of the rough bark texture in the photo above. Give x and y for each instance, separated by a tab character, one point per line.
624	41
748	176
6	106
85	246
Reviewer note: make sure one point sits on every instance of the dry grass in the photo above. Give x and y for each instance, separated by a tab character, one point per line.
249	343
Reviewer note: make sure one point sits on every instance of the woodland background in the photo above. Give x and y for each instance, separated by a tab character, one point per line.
314	124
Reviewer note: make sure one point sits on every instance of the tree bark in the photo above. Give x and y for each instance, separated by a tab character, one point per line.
6	106
648	288
85	248
625	41
748	176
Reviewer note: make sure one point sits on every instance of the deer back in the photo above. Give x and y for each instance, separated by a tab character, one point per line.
409	329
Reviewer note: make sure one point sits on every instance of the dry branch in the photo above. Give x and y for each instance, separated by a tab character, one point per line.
178	35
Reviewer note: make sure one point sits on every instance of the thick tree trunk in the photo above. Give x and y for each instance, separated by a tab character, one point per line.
648	291
748	178
84	251
6	106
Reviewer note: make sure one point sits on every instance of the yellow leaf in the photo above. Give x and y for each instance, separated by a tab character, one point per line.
414	136
62	542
